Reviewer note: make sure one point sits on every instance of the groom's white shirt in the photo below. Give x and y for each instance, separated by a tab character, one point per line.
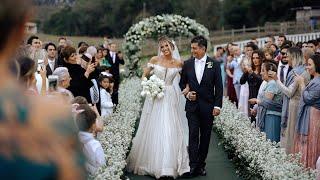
199	66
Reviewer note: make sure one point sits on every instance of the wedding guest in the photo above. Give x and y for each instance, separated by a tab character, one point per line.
219	56
80	82
106	105
115	59
291	96
51	58
283	67
36	52
235	65
79	100
270	40
269	111
307	53
27	69
307	140
304	45
269	56
32	143
62	41
92	149
231	92
63	82
281	40
253	77
312	44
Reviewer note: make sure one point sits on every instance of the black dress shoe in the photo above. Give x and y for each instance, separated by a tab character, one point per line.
191	174
202	172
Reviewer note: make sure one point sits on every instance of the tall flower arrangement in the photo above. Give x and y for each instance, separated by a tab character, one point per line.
259	158
167	24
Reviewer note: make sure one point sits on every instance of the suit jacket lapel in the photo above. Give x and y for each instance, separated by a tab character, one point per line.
205	70
193	72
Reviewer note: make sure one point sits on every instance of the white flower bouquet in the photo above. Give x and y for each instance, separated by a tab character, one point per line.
153	87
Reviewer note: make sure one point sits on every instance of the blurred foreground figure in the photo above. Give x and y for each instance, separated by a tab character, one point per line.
37	137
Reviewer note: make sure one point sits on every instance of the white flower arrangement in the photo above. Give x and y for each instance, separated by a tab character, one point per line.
119	127
261	157
170	25
153	87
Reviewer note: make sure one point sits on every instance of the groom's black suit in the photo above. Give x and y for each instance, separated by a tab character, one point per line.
199	112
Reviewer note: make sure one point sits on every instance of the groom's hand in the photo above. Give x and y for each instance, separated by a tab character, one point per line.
216	112
192	96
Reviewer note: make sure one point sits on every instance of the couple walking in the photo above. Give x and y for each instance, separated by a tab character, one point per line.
162	146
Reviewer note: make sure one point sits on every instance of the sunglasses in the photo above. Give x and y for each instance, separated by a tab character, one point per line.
255	57
283	54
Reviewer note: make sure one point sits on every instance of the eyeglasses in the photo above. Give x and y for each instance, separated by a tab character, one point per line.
255	57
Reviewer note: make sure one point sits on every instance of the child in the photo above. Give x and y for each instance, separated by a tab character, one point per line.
106	105
79	100
92	149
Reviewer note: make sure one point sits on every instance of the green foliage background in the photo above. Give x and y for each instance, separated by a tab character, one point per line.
114	17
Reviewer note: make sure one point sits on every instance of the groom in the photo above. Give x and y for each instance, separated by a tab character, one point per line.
204	101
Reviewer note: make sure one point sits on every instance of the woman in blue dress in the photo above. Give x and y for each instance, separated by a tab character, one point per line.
269	104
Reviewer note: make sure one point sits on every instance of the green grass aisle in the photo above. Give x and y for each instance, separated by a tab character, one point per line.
218	166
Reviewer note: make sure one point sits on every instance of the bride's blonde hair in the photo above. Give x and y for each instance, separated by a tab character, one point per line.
166	39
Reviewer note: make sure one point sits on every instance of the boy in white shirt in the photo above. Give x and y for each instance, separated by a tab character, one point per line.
92	149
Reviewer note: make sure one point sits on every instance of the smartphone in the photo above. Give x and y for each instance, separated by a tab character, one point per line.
53	82
40	64
93	60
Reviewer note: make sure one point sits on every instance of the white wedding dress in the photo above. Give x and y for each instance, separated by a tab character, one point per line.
159	147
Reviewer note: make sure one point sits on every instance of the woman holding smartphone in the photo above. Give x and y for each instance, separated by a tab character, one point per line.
291	97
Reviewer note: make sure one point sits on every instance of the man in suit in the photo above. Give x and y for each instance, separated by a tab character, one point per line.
51	57
283	67
115	59
204	101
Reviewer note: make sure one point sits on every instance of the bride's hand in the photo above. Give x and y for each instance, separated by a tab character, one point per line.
186	90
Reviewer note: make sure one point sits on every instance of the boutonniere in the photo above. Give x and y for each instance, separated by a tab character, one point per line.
209	65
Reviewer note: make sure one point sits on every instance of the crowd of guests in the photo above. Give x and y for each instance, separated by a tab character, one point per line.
87	71
87	78
278	88
52	100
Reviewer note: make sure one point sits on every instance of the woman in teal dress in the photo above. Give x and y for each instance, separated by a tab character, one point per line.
269	111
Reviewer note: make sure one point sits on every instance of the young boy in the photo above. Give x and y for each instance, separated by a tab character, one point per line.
92	149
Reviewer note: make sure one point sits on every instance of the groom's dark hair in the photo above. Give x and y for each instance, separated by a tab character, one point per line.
202	41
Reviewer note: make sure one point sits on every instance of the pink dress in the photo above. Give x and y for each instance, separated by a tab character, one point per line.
309	146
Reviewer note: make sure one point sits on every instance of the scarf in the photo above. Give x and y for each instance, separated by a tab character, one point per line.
310	98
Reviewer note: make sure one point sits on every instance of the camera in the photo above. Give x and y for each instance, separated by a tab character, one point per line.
53	82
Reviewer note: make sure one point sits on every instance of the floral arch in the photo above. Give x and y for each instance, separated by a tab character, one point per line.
153	27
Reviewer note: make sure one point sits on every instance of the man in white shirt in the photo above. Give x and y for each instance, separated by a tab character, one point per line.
51	57
204	100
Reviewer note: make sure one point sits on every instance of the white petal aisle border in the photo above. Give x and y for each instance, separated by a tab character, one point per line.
258	157
117	134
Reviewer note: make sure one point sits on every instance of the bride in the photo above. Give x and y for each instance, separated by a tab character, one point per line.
159	148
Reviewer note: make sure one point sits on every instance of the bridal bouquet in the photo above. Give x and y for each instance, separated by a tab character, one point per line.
153	87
